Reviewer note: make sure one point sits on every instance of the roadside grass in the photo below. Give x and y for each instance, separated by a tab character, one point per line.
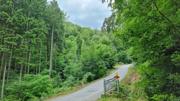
130	89
64	91
110	98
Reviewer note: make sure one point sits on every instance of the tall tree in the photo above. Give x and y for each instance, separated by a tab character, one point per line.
55	23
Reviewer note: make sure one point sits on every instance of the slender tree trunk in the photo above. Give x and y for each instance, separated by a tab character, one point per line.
36	71
9	64
29	60
2	63
21	71
3	81
47	49
2	57
51	52
39	66
26	65
29	42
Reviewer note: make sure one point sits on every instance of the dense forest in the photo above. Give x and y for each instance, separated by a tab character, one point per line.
150	33
42	53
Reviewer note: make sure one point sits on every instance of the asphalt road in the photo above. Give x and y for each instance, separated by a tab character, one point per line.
93	91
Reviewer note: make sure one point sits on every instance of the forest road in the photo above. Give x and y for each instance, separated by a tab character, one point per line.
94	90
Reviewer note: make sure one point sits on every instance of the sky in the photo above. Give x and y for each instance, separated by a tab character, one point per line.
87	13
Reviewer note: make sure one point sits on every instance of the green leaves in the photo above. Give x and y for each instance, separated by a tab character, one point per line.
35	35
149	32
31	86
175	58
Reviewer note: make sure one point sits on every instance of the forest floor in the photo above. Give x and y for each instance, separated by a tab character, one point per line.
92	91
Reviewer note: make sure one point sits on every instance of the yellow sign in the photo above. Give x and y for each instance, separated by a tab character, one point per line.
117	76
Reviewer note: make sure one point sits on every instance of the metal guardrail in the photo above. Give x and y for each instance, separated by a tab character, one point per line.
111	85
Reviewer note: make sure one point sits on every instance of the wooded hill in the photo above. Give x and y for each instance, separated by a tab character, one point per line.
42	53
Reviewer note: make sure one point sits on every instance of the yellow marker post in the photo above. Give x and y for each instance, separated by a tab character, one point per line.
117	77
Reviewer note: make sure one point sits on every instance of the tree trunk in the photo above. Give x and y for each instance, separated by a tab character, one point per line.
26	65
29	60
9	63
51	52
2	62
39	66
3	81
47	49
21	70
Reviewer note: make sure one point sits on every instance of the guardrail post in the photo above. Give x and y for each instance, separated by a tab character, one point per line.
118	86
104	87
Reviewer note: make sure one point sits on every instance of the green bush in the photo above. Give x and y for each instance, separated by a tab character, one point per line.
175	58
69	82
158	84
31	87
164	97
122	57
88	77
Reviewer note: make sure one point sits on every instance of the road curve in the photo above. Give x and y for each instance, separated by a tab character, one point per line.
93	91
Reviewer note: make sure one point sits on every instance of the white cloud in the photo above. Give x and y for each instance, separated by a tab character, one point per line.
49	0
89	13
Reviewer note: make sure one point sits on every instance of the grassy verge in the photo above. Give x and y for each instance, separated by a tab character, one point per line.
130	89
64	91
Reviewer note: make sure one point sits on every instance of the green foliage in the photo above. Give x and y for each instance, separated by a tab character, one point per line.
93	62
37	40
165	97
152	79
149	31
123	57
88	56
30	87
175	58
158	84
87	77
141	25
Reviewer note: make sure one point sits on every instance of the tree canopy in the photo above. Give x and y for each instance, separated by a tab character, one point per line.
42	53
150	33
